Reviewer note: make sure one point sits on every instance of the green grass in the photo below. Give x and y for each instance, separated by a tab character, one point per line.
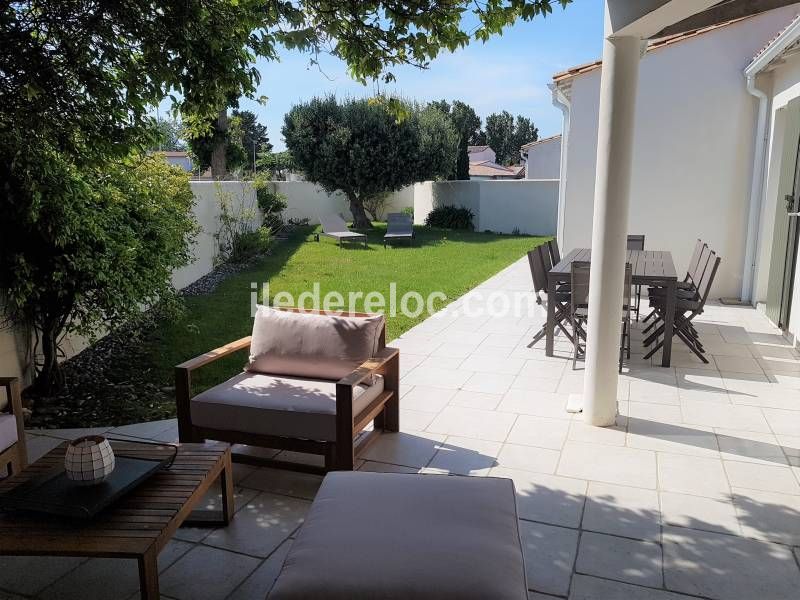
452	262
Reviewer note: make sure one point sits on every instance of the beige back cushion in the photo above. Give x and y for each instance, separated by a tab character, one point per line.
311	345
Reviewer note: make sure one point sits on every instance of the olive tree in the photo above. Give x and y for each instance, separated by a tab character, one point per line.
364	149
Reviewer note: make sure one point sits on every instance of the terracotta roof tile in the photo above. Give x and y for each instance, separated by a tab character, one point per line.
490	169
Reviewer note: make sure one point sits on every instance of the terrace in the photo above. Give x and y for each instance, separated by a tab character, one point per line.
695	490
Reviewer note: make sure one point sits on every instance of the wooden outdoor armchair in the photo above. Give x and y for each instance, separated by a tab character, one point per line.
13	452
256	421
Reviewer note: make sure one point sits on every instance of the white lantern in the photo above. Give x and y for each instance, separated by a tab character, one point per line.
89	460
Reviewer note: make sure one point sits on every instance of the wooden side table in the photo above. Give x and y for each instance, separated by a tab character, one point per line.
140	524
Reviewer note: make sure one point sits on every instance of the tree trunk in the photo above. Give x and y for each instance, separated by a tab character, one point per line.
360	218
219	168
50	379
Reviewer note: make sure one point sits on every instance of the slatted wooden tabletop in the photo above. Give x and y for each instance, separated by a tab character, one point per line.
139	524
647	266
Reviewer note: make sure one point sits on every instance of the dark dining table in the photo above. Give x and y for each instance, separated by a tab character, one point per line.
648	267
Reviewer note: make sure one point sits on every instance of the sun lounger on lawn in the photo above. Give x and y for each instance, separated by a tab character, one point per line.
335	227
398	227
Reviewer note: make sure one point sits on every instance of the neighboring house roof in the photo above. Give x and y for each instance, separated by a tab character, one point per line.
784	43
654	45
471	149
552	138
490	169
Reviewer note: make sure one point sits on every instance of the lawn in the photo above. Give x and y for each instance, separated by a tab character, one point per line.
128	377
452	262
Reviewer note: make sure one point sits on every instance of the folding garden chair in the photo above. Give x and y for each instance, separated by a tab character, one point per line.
636	242
686	309
694	272
579	311
540	264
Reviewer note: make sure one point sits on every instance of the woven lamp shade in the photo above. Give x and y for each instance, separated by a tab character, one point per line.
89	460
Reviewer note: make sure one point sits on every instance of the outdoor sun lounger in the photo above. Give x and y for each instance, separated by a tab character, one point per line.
335	227
399	227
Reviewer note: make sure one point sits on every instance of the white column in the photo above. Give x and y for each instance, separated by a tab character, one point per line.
610	226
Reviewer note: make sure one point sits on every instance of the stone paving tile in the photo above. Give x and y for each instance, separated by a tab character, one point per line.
282	481
693	475
29	575
473	399
538	404
767	478
585	587
426	399
468	422
103	578
261	525
206	574
527	458
725	567
263	578
405	449
768	516
621	559
546	498
464	456
697	512
541	432
610	464
415	420
622	510
549	556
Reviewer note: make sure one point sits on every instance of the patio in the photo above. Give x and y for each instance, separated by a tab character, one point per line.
695	491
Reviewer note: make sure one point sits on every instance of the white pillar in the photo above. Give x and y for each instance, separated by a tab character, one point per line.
610	226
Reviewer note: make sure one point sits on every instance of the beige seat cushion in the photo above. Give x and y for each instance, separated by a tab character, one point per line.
273	405
311	345
8	431
392	536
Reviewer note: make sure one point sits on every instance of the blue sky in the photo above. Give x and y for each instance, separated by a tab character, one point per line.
509	72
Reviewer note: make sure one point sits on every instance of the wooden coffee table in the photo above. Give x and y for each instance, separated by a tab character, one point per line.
138	525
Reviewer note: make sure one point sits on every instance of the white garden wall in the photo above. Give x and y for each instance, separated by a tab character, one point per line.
307	200
526	206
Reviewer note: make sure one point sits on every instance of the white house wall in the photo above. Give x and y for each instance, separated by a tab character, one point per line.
693	145
544	160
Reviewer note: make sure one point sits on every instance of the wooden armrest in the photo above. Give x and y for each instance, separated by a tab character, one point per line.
209	357
370	367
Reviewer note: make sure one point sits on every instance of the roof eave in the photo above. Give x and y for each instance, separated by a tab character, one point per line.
774	49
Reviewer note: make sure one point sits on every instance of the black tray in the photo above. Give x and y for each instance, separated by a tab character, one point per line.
53	493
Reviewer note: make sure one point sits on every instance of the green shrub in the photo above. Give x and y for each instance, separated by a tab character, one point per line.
250	244
271	203
450	217
408	210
